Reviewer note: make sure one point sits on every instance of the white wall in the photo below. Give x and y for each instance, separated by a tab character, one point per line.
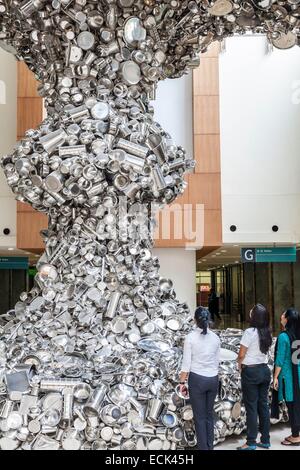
179	265
174	110
260	141
8	132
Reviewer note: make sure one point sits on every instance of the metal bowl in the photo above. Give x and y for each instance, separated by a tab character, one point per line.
153	345
107	368
227	355
82	392
180	395
120	394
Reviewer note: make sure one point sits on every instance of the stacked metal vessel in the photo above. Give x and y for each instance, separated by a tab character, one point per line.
89	358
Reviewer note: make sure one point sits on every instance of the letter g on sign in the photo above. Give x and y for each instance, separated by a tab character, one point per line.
249	255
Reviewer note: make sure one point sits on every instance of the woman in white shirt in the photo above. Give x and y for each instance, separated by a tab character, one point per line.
200	365
256	377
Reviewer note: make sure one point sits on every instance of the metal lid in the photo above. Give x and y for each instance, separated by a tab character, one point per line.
70	443
86	40
7	443
285	41
155	444
100	110
221	8
106	433
131	73
134	31
118	325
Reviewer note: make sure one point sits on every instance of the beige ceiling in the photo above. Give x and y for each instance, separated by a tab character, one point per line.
7	252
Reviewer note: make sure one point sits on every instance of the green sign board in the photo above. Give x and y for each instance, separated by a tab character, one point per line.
13	262
280	254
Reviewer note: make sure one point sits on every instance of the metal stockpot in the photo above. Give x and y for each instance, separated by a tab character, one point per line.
93	406
154	410
110	414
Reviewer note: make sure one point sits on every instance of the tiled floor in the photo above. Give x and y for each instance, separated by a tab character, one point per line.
278	432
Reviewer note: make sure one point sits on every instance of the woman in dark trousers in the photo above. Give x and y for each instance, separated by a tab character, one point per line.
200	366
256	377
287	372
213	305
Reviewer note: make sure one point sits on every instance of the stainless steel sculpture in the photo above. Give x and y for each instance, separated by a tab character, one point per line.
89	357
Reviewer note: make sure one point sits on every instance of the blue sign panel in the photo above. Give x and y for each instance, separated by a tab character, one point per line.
13	262
280	254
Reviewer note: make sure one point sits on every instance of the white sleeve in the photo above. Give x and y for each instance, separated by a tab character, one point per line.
247	338
218	353
187	355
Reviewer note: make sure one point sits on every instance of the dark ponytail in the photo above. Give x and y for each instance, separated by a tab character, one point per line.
293	324
202	319
260	320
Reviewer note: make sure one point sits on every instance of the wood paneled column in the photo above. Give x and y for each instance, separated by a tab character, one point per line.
205	183
30	115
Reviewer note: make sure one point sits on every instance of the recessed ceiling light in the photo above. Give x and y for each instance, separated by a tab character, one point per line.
223	251
204	259
10	249
218	254
236	245
236	262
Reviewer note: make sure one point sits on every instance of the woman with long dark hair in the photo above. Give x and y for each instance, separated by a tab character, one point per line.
200	366
256	377
287	371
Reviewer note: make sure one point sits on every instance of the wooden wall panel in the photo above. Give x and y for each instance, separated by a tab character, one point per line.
206	114
206	83
205	184
213	228
29	225
205	189
24	207
207	224
207	153
213	51
27	84
184	228
30	113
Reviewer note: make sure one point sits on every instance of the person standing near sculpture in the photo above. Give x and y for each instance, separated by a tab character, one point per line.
287	372
200	366
256	377
213	305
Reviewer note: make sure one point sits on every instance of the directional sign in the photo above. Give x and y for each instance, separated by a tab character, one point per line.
13	262
280	254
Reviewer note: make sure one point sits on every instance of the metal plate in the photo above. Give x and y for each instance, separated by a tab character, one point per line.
221	8
131	73
134	31
227	355
107	368
285	41
153	345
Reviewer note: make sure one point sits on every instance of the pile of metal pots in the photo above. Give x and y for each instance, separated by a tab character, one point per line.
89	358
